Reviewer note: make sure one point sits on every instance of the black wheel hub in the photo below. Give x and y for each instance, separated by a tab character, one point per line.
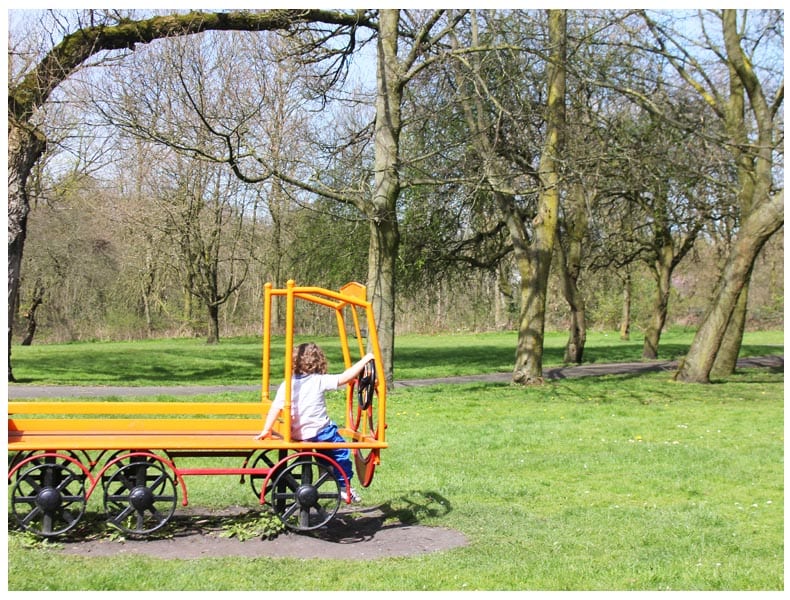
141	498
49	499
307	495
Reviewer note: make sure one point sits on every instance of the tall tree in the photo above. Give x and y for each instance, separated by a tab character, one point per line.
30	90
396	66
529	349
532	241
752	125
373	188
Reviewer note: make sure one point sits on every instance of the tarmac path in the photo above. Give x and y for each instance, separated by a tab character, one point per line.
25	391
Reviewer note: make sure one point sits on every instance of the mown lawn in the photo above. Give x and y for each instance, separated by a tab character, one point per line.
604	483
237	361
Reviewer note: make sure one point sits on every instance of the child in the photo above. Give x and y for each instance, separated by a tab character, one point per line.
309	419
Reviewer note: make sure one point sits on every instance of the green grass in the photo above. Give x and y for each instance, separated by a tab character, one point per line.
601	483
237	361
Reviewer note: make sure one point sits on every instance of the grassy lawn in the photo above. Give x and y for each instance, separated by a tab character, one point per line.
601	483
237	361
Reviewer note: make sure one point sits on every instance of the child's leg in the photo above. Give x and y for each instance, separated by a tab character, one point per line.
342	456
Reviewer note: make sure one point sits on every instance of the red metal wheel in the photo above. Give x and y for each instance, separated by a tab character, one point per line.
364	419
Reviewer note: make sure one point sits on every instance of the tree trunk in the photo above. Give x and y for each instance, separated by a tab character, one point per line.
577	338
535	271
760	225
213	324
625	320
577	332
570	268
146	291
658	314
30	315
727	356
384	235
25	147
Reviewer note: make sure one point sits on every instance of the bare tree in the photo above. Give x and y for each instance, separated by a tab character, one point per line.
204	212
94	34
751	123
373	188
532	241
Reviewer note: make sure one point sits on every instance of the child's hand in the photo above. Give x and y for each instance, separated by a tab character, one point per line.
263	435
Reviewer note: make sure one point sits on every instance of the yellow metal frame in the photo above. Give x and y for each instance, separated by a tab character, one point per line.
351	296
211	426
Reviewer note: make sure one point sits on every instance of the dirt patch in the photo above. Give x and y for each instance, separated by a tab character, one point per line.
359	533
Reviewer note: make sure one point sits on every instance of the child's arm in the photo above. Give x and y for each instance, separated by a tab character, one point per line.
274	412
354	369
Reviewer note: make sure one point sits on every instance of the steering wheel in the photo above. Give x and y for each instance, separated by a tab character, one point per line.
367	385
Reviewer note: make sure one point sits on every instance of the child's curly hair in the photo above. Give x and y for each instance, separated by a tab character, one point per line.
309	359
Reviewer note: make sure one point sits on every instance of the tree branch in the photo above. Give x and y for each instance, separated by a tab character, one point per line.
75	48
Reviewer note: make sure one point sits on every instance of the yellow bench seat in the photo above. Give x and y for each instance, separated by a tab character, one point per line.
57	426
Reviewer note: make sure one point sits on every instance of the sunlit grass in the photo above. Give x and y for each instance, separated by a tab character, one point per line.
605	483
237	361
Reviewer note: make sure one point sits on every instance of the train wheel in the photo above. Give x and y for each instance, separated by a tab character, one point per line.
140	496
41	457
305	494
365	460
262	459
48	498
16	458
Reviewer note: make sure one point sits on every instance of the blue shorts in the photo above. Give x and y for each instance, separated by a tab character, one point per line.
341	456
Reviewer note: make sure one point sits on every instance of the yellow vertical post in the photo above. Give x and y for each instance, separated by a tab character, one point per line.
341	329
381	384
289	347
267	341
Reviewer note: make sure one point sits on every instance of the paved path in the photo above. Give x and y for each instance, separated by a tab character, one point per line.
23	391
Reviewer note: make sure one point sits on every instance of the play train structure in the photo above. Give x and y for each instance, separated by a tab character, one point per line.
138	455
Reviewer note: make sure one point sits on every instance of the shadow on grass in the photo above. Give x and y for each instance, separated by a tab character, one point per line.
142	364
181	361
361	524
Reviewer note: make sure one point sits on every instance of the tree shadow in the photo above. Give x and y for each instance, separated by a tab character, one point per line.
361	524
